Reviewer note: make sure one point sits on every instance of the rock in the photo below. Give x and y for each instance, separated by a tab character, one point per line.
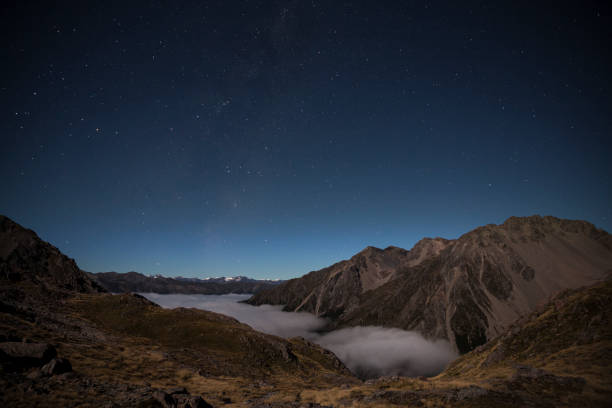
179	398
177	390
166	400
471	392
34	374
495	356
24	257
393	397
56	366
191	401
24	355
526	371
544	379
288	405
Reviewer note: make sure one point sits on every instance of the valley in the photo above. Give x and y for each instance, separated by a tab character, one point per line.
542	341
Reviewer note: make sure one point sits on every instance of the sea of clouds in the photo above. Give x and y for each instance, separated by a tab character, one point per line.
367	351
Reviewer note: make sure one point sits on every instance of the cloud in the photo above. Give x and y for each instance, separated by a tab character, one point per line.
376	351
367	351
266	318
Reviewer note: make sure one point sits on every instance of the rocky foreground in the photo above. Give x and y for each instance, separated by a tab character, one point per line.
65	342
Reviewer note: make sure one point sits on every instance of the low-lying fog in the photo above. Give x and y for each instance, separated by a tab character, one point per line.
367	351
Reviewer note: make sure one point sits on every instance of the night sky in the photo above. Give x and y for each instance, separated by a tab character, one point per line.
271	138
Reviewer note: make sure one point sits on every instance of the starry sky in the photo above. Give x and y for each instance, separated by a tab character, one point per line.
271	138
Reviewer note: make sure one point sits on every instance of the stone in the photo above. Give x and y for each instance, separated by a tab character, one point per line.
191	401
166	400
177	390
24	355
56	366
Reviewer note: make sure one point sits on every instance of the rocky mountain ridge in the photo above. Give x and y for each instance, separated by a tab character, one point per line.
137	282
466	290
24	257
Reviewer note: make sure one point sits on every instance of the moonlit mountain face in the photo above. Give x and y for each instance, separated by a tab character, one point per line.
466	291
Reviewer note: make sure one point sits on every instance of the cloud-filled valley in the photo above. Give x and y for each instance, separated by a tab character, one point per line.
367	351
267	318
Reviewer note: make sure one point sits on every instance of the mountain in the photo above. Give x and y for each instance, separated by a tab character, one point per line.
64	341
24	257
226	279
560	355
466	290
562	348
137	282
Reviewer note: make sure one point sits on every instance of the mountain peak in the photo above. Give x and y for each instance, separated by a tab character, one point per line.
27	258
370	249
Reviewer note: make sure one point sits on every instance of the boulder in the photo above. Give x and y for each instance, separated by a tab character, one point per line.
177	390
190	401
20	355
165	399
56	366
178	399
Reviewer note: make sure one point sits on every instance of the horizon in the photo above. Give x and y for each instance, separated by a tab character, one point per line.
271	139
331	262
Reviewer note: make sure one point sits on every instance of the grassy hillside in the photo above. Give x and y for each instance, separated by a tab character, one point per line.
122	348
560	355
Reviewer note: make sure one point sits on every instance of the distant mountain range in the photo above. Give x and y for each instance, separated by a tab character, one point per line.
137	282
466	290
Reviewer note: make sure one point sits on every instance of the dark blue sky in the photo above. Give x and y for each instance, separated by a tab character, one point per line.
270	138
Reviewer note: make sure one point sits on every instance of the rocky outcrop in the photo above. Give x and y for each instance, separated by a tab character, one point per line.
179	399
466	290
39	358
56	366
24	257
24	355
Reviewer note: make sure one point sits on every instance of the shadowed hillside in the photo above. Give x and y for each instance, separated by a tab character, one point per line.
99	348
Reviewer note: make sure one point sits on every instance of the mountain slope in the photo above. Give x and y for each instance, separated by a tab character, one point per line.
558	356
571	335
136	282
24	257
122	350
332	290
466	290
